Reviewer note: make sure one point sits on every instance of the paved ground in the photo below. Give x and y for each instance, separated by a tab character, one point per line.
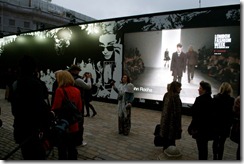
104	142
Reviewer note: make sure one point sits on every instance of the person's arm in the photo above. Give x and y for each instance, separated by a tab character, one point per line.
172	65
130	97
115	89
236	106
12	98
80	83
57	103
184	62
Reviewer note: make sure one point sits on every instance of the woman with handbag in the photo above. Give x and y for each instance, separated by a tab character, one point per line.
170	124
67	149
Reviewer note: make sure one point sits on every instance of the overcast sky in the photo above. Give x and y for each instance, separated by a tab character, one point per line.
103	9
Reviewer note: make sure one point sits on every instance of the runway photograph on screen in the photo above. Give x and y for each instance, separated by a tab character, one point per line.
141	46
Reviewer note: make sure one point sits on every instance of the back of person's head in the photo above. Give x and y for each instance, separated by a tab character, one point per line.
225	88
174	87
74	69
27	65
128	79
65	78
206	86
168	87
190	48
86	74
56	73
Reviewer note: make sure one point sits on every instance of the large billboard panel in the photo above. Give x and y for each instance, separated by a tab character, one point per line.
135	46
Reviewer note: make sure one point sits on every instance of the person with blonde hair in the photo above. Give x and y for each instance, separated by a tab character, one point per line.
67	150
223	104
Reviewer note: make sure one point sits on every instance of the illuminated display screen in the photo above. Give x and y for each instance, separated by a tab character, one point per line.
135	46
217	48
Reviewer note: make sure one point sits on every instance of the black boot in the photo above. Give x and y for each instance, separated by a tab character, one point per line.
94	114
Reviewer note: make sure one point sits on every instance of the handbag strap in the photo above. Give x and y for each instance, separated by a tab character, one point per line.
65	94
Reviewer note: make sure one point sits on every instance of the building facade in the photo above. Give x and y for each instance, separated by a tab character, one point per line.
18	16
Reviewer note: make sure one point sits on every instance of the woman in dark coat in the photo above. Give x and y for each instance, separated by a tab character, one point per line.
203	115
223	104
170	126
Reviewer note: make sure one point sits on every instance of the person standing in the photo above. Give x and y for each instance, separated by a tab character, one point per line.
54	86
202	124
236	131
88	96
45	89
192	59
166	58
170	124
30	110
10	77
81	85
125	97
223	104
67	149
178	63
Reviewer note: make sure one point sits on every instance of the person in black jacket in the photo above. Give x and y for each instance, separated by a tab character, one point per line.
235	134
178	63
201	127
81	85
223	104
88	96
192	59
166	58
30	111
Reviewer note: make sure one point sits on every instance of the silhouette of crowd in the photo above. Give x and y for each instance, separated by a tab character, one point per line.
214	118
223	68
133	63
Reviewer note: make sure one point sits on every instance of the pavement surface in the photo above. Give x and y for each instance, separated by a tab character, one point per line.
104	142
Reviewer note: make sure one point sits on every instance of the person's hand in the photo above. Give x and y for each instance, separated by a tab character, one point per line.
112	83
128	105
118	47
52	115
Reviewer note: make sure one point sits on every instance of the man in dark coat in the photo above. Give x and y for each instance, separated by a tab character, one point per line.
192	59
178	63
